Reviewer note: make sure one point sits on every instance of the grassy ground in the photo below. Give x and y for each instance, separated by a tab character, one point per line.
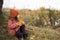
37	34
33	21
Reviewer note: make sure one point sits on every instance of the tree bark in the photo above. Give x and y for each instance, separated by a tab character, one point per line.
50	17
1	14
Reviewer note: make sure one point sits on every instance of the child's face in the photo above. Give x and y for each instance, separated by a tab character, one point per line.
18	16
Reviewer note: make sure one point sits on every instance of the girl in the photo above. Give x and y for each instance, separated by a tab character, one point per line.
14	28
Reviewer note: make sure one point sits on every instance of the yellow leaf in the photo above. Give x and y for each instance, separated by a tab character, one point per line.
20	21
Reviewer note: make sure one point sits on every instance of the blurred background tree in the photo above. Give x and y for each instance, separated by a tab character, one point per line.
1	13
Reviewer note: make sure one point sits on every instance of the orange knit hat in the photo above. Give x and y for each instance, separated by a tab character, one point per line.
13	12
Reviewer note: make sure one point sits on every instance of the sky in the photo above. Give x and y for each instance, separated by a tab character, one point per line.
32	4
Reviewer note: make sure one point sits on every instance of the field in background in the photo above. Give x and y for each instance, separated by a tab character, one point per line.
45	22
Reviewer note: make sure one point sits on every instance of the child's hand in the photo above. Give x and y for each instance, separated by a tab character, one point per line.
18	24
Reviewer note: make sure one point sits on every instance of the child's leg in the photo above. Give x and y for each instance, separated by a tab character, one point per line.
25	35
19	35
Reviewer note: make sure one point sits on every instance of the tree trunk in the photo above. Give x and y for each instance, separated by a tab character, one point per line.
50	17
1	14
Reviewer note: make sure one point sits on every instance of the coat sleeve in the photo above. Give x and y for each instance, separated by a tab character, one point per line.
12	25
